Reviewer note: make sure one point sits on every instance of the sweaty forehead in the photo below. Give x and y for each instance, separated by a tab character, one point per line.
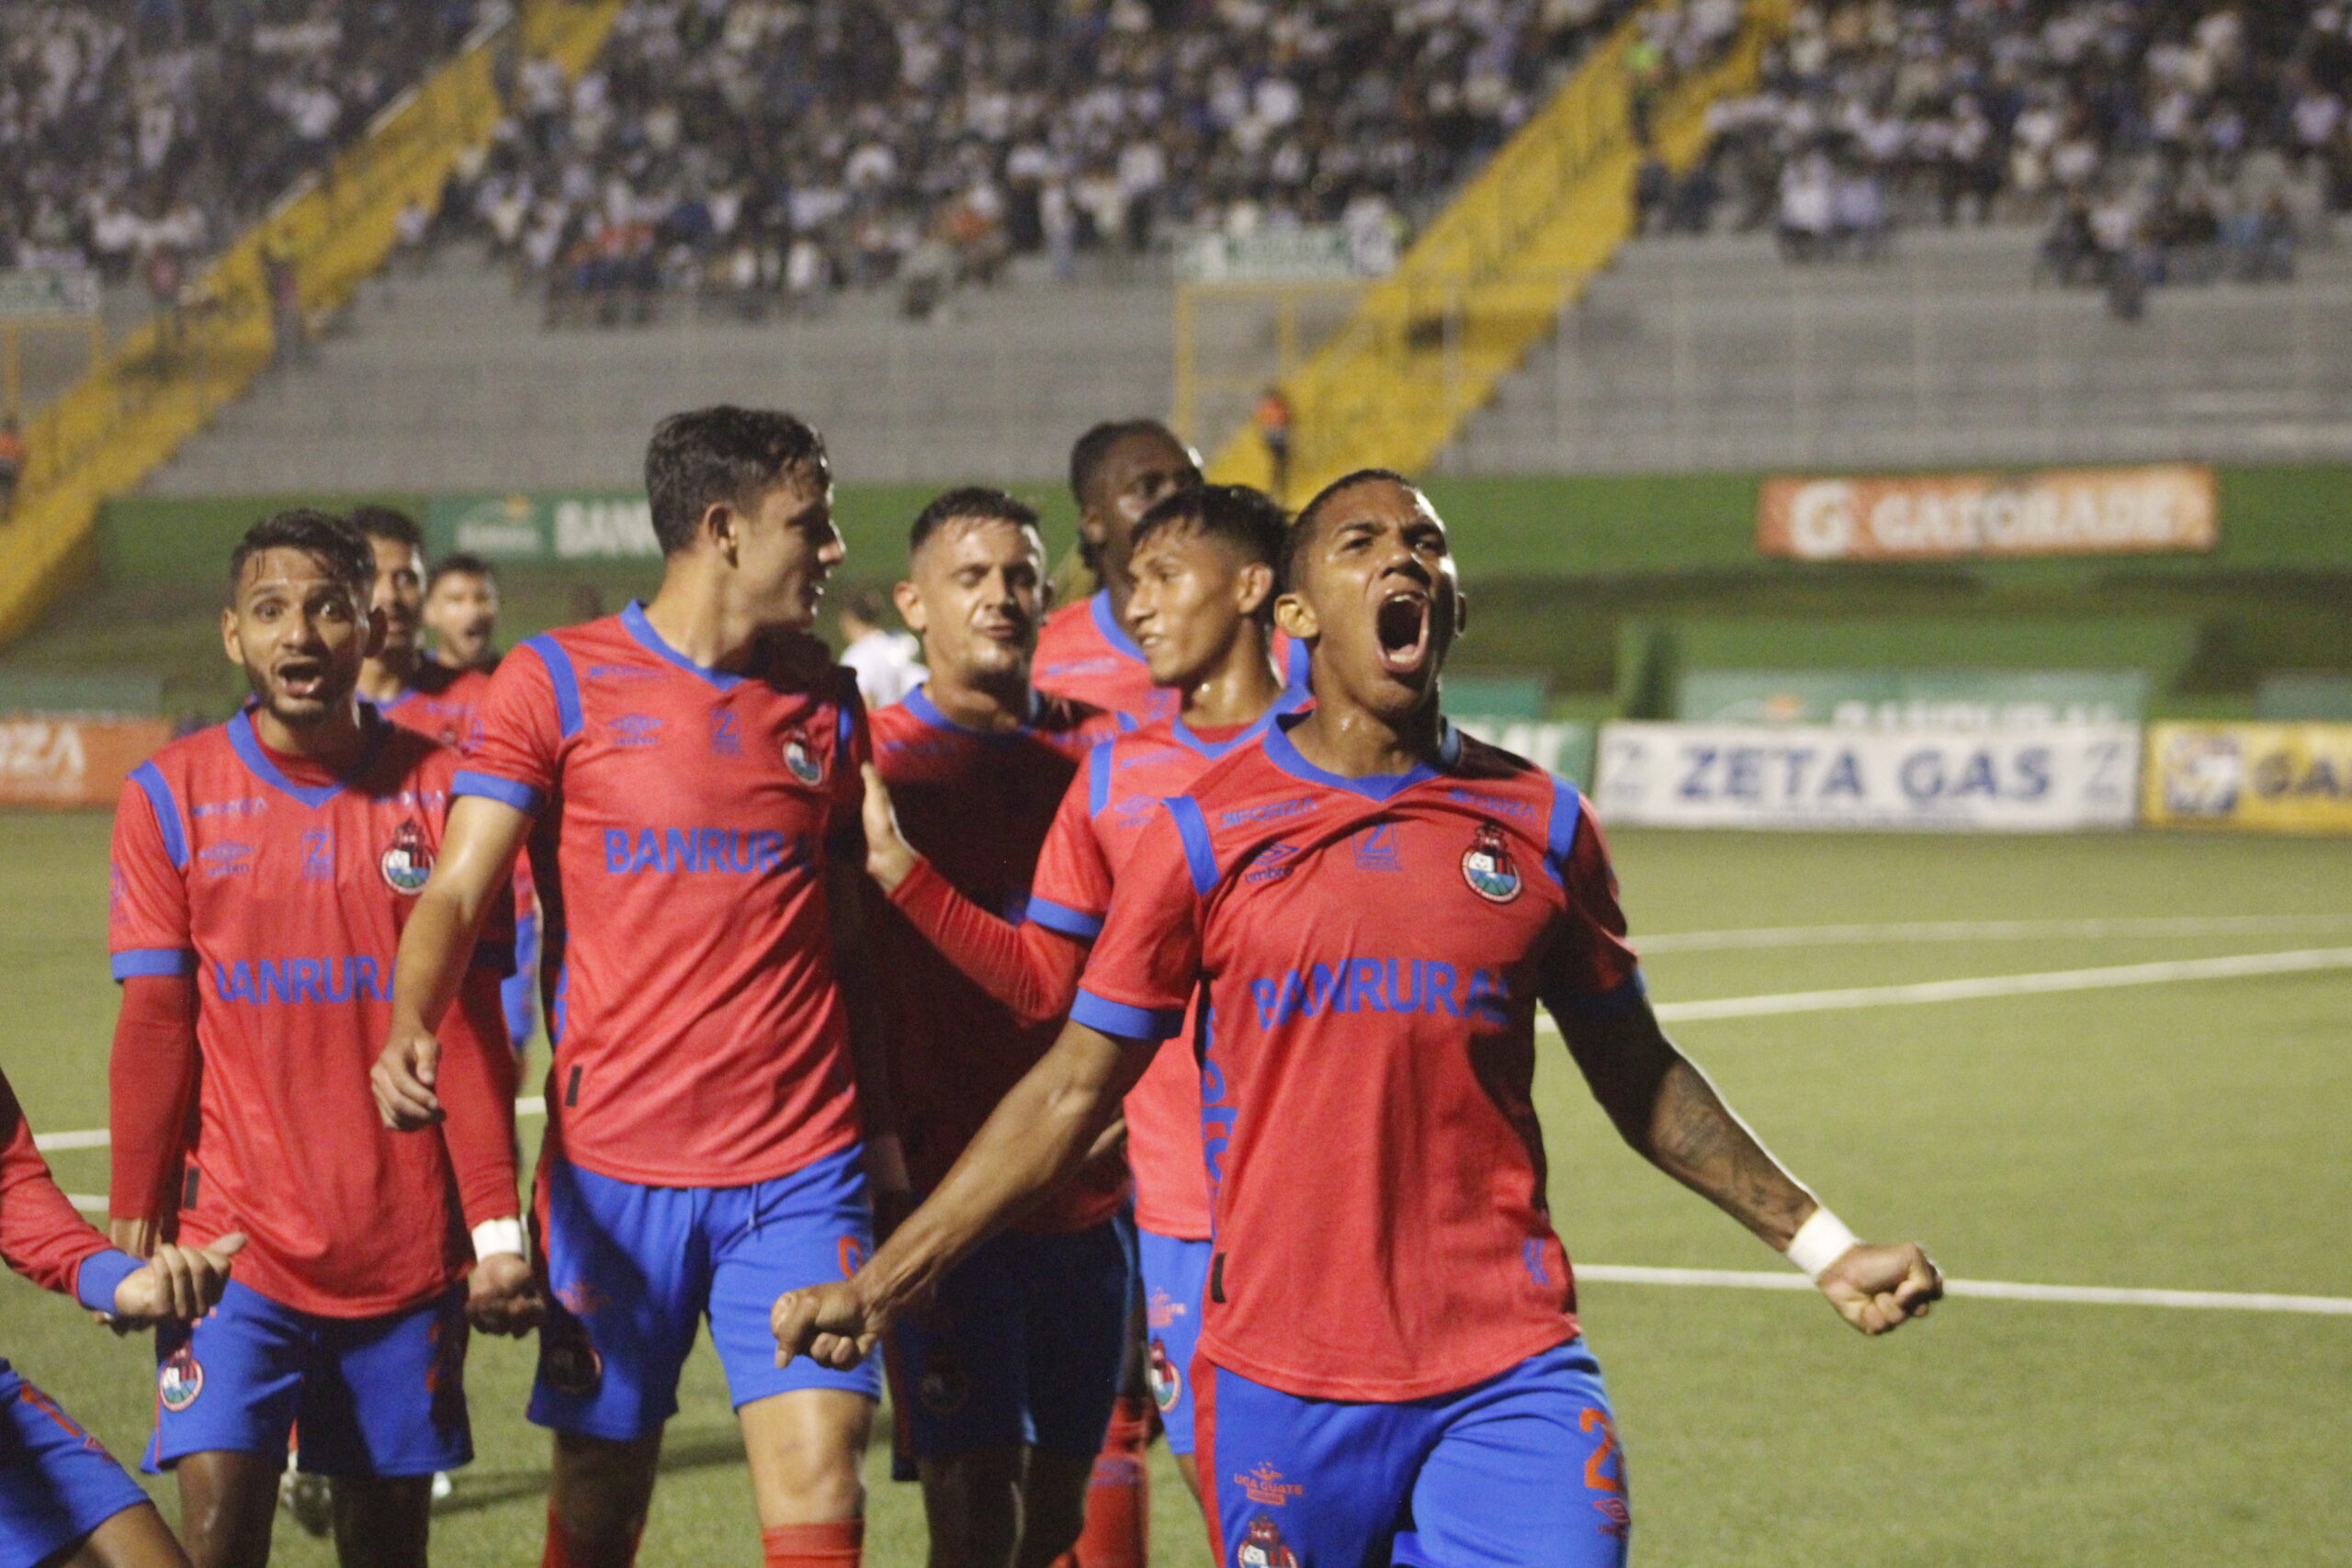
287	570
1374	500
963	541
1145	452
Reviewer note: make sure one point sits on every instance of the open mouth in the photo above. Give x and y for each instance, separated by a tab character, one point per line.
1403	625
303	681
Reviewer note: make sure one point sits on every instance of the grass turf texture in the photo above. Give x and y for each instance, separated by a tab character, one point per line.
2181	1136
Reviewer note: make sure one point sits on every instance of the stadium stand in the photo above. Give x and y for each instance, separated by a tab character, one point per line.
138	139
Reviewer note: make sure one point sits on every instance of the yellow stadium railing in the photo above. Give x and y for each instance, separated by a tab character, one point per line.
166	380
1424	347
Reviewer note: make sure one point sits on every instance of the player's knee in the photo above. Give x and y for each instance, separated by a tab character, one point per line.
601	1487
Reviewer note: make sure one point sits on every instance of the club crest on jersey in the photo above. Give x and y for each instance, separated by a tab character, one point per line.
407	863
179	1379
806	765
1167	1382
1487	866
1262	1546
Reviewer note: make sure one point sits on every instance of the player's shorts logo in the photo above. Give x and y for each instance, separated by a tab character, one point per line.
1262	1546
1487	866
568	1363
806	765
1167	1382
179	1379
407	863
944	1386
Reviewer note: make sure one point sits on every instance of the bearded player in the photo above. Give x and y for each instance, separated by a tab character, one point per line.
461	612
687	775
1005	1386
442	699
63	1501
1203	562
263	872
1391	1369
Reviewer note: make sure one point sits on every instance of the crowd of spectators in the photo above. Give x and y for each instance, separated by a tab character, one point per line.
138	135
762	154
2160	135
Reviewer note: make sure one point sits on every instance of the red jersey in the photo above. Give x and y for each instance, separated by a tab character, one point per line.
446	703
1373	950
977	807
286	900
1115	797
680	851
1084	654
42	1235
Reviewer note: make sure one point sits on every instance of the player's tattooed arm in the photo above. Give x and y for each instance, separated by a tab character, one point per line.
470	875
1038	1136
1671	1115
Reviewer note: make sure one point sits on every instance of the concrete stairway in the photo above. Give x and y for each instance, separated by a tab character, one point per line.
1715	354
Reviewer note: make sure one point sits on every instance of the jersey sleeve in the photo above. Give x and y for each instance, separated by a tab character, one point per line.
148	929
1071	890
42	1235
1591	967
1030	967
1147	960
531	710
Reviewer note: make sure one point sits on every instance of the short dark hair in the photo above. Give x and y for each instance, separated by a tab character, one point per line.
865	605
723	456
329	539
1249	520
1302	528
388	522
460	563
1086	456
971	503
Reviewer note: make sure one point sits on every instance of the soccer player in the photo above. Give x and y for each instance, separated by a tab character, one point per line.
1391	1369
687	773
1006	1385
442	699
263	871
63	1501
1202	608
461	612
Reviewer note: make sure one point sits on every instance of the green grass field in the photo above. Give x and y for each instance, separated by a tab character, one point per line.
2181	1136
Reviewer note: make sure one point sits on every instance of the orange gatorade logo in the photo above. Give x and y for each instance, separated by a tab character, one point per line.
1265	1484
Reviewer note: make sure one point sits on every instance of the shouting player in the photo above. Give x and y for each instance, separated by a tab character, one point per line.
263	872
63	1501
442	699
461	612
683	772
1202	608
1391	1369
1005	1386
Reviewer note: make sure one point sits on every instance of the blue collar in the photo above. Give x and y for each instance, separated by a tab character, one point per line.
633	618
1289	701
256	757
1113	632
918	703
1285	755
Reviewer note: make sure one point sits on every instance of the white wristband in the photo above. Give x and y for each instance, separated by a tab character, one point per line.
493	1237
1820	1241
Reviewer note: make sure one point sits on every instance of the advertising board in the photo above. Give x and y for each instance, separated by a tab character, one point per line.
543	525
69	759
2277	778
2054	511
1721	776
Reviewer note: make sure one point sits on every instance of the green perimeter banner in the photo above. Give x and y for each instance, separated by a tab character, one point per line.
1897	699
552	526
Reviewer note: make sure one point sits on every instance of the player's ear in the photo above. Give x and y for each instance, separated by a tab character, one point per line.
722	527
1297	618
1092	526
230	640
910	604
1460	611
1251	586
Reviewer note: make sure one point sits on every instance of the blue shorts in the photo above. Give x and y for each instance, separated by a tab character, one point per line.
1518	1471
633	1269
1021	1345
1175	1274
517	993
373	1395
57	1483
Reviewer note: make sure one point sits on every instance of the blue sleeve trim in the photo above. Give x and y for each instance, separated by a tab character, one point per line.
101	1273
1063	919
138	961
1098	778
1194	829
1126	1022
489	787
160	799
1618	999
1567	815
566	679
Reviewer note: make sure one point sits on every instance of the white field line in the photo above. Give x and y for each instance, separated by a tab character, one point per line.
1988	930
1998	1290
